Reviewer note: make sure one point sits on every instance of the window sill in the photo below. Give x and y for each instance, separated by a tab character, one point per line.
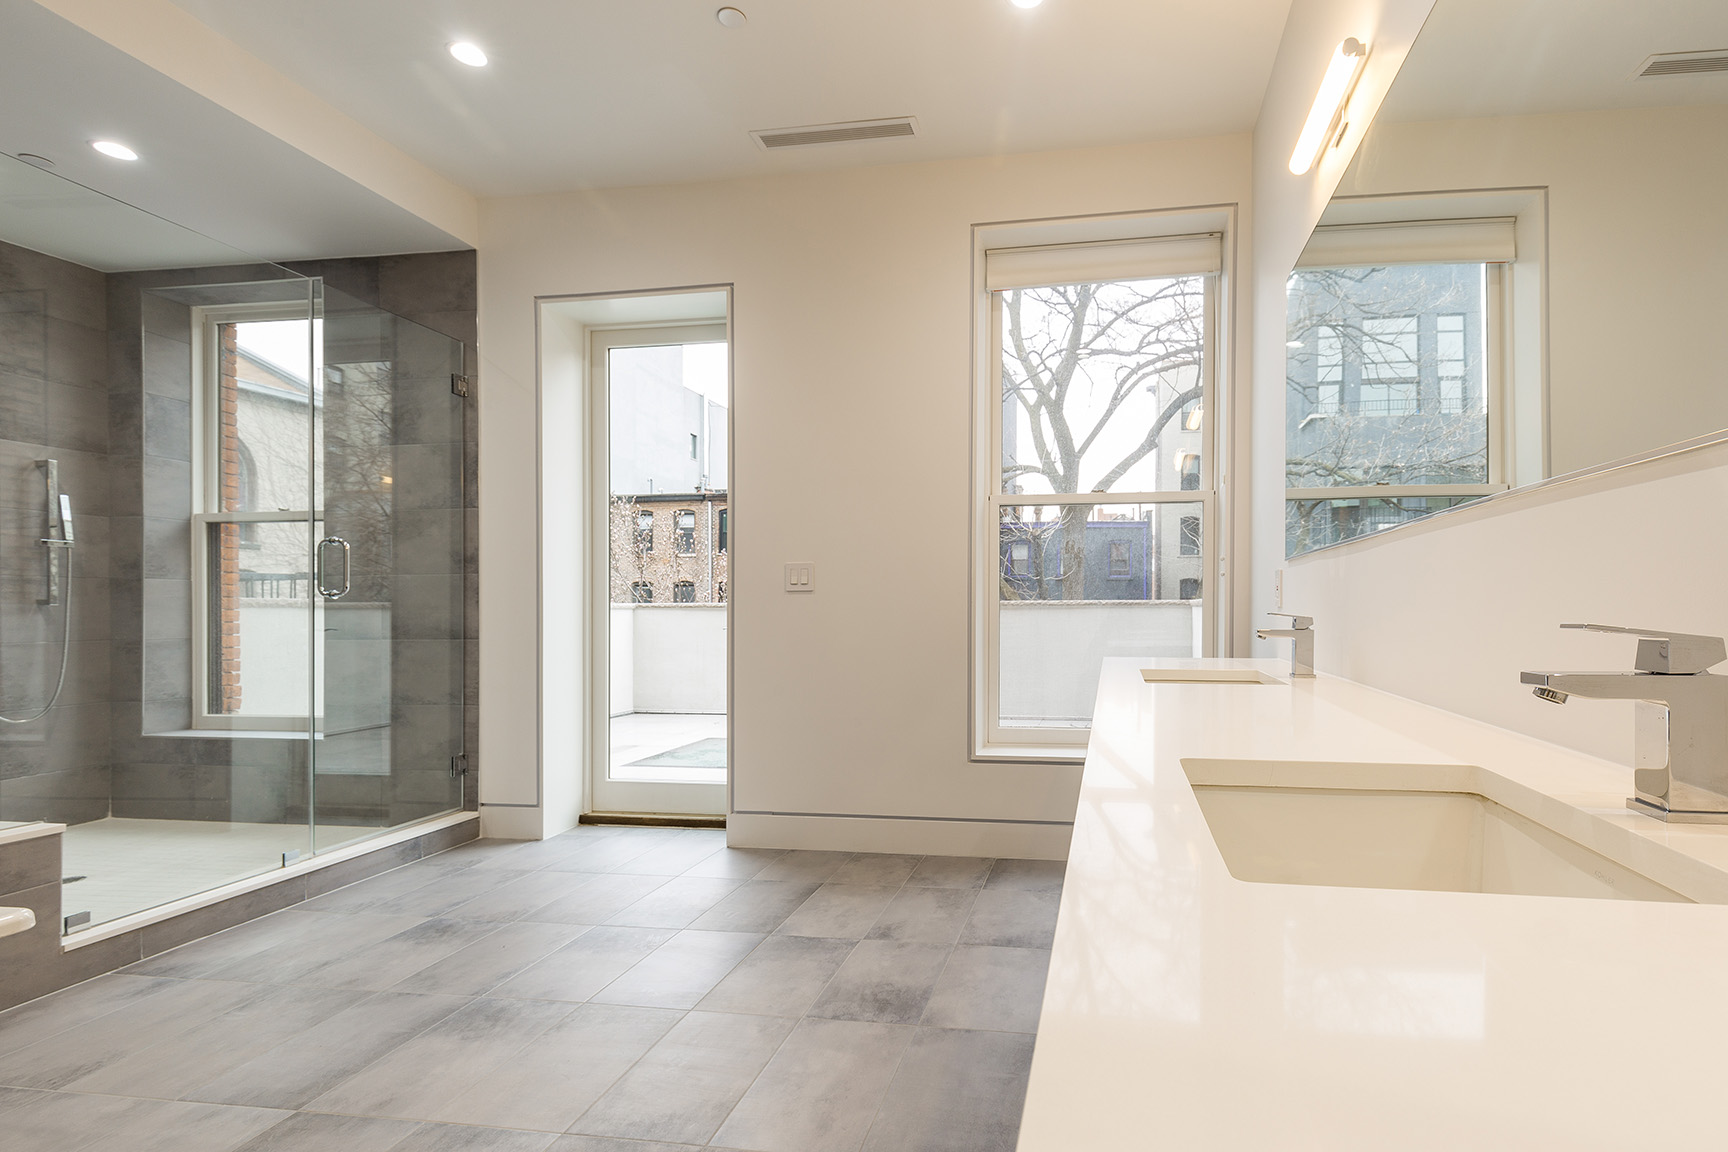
234	734
1029	754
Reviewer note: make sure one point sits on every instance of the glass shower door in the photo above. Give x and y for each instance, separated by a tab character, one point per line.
388	562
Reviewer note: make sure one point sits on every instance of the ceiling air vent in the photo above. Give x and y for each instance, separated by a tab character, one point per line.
1684	63
808	134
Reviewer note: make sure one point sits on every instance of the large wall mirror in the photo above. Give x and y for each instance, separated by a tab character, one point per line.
1524	272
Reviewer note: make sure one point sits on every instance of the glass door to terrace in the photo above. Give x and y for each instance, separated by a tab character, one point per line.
661	443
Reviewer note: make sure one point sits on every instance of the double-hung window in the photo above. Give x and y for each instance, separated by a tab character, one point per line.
1393	398
1096	480
256	397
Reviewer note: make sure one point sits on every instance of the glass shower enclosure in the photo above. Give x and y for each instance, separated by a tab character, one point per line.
232	509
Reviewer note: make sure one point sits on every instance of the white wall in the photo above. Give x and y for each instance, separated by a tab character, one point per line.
852	397
1286	208
1448	611
1637	251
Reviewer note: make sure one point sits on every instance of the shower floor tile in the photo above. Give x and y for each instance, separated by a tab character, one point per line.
128	865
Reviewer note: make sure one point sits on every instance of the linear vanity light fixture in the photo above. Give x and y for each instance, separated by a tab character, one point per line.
1335	89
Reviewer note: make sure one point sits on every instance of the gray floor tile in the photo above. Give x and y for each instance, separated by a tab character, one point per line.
585	965
608	1144
376	967
677	902
804	867
65	1121
839	911
419	1078
876	868
597	901
925	915
450	891
324	938
458	1138
820	1091
757	906
18	1097
955	1092
79	1051
531	855
368	894
738	863
1012	918
180	1063
203	957
685	1085
174	1126
782	977
311	1132
675	857
993	989
951	872
491	960
52	1015
681	971
884	981
293	1073
609	854
561	1073
1028	875
518	897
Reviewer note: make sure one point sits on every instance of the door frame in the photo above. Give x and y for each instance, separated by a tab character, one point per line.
604	794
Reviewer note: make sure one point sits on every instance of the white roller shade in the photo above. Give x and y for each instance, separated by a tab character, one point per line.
1109	260
1488	241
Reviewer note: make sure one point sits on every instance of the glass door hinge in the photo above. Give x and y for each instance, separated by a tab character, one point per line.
459	765
459	384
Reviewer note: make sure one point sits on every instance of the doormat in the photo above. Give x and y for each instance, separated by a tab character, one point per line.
709	753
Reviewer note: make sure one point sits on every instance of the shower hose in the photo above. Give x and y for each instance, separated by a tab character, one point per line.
65	649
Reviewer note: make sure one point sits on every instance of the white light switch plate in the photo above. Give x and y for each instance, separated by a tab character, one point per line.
801	576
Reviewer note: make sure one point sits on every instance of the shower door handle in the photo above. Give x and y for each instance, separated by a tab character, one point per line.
324	588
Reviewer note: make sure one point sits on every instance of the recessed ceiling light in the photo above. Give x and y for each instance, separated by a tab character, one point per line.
38	161
469	53
1027	3
731	18
114	148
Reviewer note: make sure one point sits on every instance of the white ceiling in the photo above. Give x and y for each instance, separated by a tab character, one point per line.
61	87
591	93
1516	57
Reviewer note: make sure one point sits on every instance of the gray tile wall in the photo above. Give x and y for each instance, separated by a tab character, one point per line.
53	403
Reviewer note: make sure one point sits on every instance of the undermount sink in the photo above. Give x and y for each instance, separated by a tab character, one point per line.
1430	828
1206	676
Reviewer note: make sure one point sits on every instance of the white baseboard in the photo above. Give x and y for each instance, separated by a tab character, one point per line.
501	823
887	834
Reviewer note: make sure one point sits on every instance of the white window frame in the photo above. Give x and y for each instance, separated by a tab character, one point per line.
1115	238
206	485
1494	312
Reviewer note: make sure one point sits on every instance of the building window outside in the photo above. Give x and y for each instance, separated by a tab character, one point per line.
1189	544
684	592
645	531
693	443
724	526
720	592
641	592
1388	415
1188	588
1088	456
685	540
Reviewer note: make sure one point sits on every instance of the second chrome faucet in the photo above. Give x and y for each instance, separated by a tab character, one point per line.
1301	635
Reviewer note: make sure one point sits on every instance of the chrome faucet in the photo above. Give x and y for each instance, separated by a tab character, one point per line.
1681	733
1301	632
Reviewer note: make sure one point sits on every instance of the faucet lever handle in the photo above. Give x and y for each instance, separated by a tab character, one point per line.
1295	620
1668	653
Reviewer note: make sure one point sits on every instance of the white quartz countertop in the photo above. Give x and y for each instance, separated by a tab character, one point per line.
1188	1010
